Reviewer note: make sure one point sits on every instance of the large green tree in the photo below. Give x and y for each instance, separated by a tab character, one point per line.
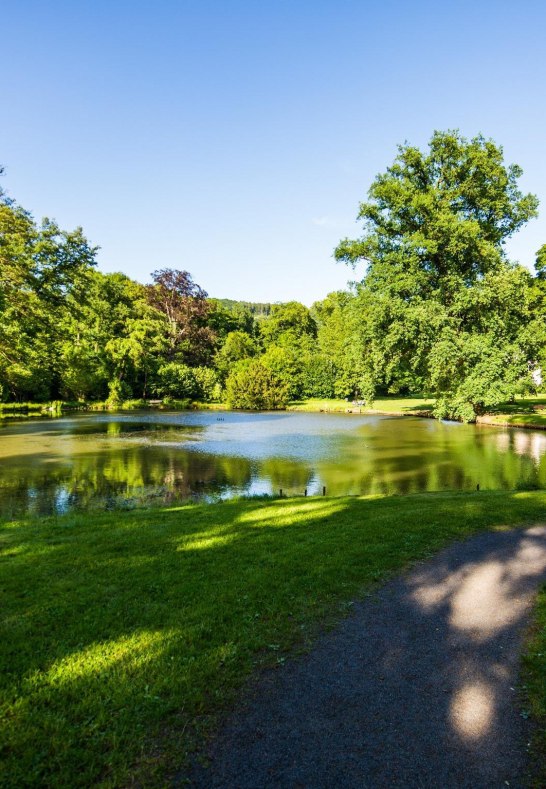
44	273
112	344
440	299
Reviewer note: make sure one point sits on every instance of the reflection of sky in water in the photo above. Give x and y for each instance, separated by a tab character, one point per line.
257	436
132	459
523	442
277	435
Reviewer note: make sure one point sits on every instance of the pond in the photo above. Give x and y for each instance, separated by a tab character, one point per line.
108	461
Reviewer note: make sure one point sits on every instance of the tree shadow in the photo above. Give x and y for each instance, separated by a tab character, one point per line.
417	689
118	630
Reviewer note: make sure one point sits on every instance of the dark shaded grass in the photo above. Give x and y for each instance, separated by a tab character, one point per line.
125	633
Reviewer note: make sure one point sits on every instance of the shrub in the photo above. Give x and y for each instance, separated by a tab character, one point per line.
207	381
177	381
253	386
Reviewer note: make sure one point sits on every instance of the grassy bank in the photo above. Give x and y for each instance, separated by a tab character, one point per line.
59	407
125	633
383	405
53	408
529	412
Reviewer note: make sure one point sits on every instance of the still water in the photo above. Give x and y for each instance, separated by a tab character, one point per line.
98	461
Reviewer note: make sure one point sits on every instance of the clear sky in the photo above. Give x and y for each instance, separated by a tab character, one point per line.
236	139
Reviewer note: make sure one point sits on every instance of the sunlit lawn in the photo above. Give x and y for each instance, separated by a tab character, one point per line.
124	633
383	404
523	412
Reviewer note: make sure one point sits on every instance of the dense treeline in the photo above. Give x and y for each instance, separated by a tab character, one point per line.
440	310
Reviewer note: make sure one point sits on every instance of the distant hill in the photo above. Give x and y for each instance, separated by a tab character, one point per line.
258	309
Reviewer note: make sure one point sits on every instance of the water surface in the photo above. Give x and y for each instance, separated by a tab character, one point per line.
91	461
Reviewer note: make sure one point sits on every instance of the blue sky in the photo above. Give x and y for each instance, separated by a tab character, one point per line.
236	139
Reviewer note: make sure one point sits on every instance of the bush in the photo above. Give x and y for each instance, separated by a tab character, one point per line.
133	405
253	386
177	381
207	381
171	404
319	377
118	391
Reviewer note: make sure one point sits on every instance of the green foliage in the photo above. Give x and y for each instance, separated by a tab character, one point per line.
441	306
174	404
440	310
235	318
43	271
237	346
287	324
253	386
207	384
178	381
118	391
258	310
319	376
540	264
286	364
340	327
134	405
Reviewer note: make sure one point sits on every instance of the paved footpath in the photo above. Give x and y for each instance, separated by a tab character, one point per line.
418	688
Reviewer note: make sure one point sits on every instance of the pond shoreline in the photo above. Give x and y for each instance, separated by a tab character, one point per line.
522	419
517	420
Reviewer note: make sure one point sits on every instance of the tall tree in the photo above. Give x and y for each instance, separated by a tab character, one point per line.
113	344
43	275
438	278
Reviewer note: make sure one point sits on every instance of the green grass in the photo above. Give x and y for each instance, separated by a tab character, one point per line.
384	405
124	634
526	412
534	679
318	404
534	420
402	404
52	408
529	412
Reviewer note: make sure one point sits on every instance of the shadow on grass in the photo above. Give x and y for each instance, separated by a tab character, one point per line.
124	633
416	689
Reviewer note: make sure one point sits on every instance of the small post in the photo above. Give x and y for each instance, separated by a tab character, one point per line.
280	493
478	486
324	490
305	492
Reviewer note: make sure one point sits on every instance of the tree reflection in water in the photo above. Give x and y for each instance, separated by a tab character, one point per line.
117	461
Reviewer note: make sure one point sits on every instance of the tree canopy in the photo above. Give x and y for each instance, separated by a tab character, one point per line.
440	309
440	297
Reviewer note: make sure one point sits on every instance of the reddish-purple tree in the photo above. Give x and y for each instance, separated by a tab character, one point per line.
185	305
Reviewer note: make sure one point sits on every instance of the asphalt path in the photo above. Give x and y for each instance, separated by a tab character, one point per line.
417	688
